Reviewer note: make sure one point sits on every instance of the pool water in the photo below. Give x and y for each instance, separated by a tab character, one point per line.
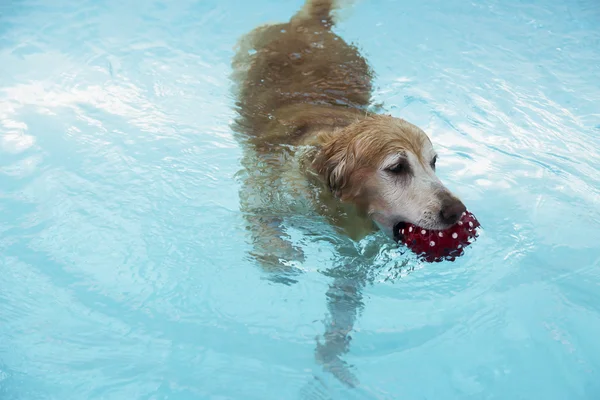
124	267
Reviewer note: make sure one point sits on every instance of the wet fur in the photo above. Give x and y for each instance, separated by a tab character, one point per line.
300	85
312	150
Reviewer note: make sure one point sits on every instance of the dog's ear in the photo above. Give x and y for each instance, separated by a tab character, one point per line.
335	162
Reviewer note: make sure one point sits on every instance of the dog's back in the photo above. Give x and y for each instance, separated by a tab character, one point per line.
293	73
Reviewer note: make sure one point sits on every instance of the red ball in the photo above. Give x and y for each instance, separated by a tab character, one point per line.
434	246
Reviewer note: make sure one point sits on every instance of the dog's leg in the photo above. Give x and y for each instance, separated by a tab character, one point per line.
264	208
272	248
344	301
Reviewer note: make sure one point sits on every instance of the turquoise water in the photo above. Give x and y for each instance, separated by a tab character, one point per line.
124	271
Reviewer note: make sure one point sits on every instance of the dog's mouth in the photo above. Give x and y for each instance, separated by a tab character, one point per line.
402	229
398	228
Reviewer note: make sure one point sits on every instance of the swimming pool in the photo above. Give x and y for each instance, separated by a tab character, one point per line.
124	268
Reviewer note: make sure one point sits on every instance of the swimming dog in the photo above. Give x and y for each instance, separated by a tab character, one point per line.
302	97
313	148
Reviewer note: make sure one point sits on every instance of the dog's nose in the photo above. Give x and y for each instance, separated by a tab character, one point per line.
452	210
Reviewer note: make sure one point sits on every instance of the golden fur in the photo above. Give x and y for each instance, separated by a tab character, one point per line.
311	145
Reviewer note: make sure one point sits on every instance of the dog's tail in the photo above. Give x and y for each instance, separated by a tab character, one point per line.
317	11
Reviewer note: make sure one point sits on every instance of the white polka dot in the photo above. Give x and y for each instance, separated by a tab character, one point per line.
432	243
441	234
410	229
470	224
454	235
460	222
463	214
459	246
423	232
403	231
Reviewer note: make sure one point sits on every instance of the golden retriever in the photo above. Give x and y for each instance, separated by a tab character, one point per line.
313	150
302	96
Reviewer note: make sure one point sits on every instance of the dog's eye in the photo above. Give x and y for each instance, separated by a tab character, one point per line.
401	168
433	162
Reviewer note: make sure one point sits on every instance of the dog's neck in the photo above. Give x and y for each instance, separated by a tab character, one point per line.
312	131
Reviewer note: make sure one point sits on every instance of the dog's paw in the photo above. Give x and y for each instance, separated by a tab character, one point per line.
328	356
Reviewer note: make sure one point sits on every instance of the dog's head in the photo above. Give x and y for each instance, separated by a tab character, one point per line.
386	167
